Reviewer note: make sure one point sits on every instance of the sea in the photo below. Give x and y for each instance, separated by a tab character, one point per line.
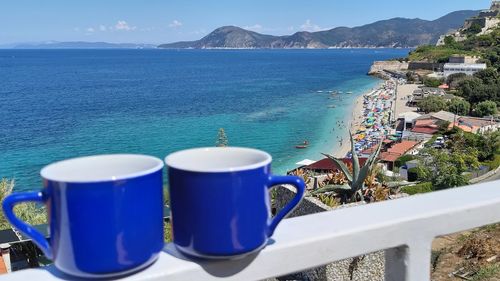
59	104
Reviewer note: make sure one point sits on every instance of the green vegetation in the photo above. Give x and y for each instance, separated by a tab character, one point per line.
440	54
28	212
222	140
356	180
493	164
459	106
432	104
446	169
486	272
438	103
432	82
486	108
485	46
403	159
474	29
424	187
483	86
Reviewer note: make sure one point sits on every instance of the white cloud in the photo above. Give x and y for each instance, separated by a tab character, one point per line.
175	24
309	26
291	28
255	27
123	25
102	27
90	29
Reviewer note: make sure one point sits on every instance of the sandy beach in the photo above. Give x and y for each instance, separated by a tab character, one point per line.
402	96
356	120
380	96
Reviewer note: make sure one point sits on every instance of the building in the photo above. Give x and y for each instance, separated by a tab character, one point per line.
408	119
326	165
467	68
423	92
477	125
463	59
399	149
439	116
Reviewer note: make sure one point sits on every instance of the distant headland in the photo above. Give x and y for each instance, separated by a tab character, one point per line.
391	33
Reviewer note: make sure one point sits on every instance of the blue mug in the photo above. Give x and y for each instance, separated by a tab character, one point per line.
220	205
105	214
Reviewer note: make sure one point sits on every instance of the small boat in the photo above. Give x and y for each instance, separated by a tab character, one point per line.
305	144
349	93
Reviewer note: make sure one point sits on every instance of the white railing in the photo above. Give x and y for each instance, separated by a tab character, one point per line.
404	228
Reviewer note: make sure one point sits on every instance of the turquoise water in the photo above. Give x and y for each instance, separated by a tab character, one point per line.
58	104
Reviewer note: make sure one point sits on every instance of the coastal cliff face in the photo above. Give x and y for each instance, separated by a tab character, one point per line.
392	33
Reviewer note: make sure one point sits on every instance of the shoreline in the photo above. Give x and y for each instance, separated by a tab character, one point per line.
357	118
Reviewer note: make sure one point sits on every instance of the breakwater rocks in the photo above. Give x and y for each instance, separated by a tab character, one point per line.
382	69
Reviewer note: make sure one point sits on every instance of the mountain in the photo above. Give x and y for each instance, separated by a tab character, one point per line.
81	45
396	32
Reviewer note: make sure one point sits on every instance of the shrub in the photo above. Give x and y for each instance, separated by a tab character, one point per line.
432	82
424	187
403	159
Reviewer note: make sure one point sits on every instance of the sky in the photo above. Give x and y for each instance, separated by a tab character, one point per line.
164	21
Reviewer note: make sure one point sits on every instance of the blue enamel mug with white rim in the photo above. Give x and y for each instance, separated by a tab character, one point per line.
220	205
105	214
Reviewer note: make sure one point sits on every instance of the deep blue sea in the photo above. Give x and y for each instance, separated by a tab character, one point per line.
58	104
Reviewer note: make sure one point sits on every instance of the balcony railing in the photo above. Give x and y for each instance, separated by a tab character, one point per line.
404	228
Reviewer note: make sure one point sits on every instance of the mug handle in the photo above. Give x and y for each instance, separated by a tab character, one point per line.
299	185
8	205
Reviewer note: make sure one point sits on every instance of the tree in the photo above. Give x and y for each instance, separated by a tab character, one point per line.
474	91
450	42
475	28
486	108
489	76
459	106
432	82
454	79
432	104
446	169
222	140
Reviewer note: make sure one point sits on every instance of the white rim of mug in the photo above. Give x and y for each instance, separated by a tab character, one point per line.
159	165
268	159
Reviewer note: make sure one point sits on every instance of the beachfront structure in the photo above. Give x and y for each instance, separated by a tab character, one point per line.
326	165
463	59
397	150
408	119
467	68
423	92
439	116
429	124
477	125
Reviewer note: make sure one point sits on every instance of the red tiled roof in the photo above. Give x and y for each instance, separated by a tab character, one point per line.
425	122
425	130
397	150
402	147
389	157
327	164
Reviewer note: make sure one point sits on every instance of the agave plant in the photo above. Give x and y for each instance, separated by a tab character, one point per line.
355	180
